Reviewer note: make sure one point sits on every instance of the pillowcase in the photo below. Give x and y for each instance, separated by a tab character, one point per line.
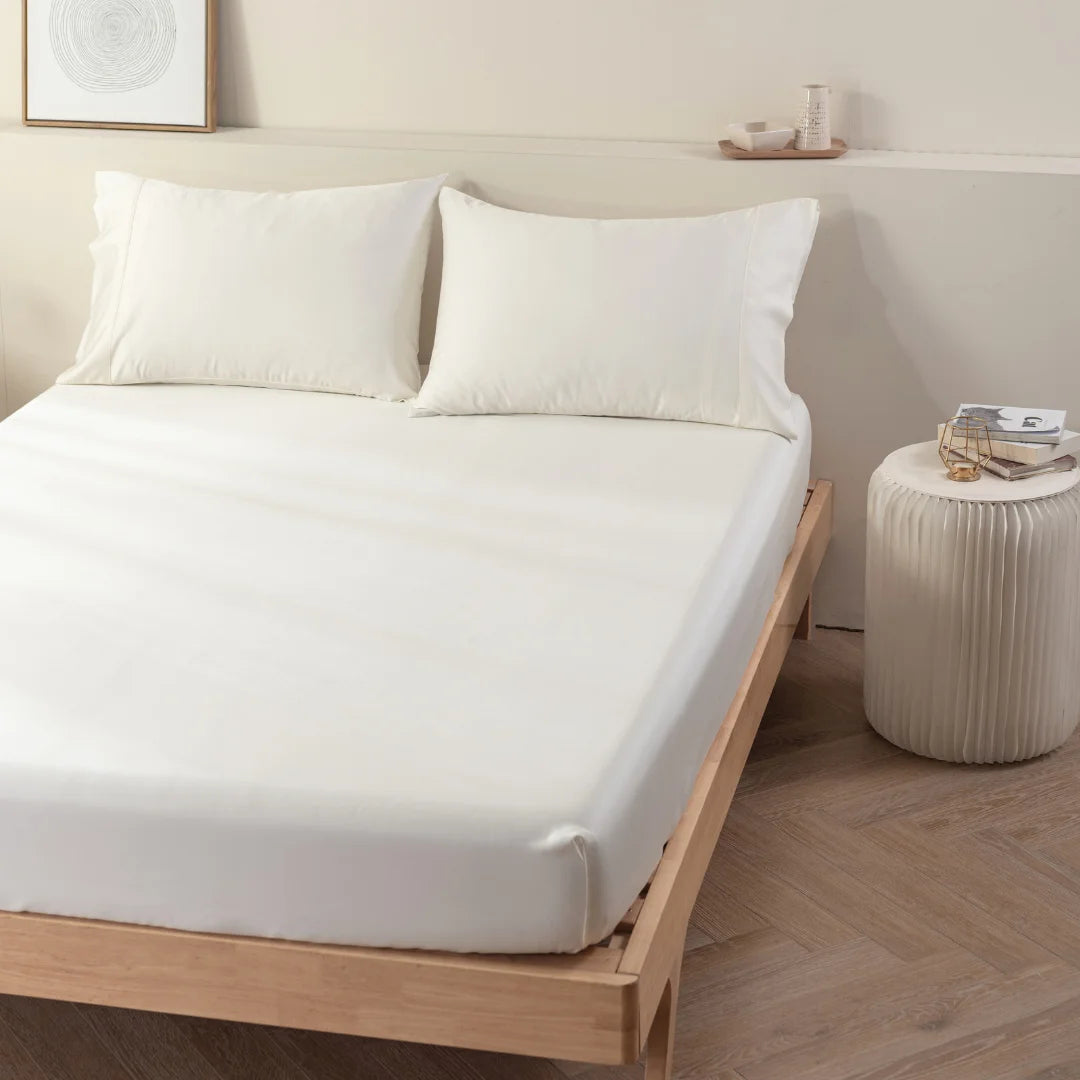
314	290
675	318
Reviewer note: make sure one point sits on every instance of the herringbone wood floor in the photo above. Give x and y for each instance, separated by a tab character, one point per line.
869	915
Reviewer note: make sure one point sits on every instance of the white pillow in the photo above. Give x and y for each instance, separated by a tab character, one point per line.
675	318
315	290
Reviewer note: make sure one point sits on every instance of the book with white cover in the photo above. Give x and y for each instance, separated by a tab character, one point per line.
1031	453
1012	422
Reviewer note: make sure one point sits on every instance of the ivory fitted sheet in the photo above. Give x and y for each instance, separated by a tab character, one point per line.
300	665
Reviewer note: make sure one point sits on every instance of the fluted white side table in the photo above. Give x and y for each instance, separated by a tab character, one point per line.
972	610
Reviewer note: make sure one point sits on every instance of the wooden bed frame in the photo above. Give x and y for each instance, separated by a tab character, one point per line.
603	1005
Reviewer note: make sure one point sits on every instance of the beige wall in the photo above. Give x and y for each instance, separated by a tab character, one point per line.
933	279
972	75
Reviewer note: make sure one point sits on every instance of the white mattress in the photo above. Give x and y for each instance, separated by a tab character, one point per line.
299	665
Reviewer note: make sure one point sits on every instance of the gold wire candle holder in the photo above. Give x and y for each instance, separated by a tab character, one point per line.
964	447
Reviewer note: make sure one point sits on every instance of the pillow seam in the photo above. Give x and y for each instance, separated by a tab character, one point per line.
123	279
737	420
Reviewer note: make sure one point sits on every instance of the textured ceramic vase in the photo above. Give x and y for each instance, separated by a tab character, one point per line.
972	610
813	131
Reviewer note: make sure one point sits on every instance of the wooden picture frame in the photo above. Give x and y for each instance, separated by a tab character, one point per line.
604	1005
209	118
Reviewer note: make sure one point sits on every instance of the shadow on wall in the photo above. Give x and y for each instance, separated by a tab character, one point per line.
3	360
864	114
237	104
864	390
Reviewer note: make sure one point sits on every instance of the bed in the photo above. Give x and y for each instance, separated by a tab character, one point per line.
318	714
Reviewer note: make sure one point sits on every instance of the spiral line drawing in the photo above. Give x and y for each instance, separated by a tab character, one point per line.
113	46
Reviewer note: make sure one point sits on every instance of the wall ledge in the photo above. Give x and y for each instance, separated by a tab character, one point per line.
504	144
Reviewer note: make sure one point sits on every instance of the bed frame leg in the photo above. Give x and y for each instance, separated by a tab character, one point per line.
805	626
660	1046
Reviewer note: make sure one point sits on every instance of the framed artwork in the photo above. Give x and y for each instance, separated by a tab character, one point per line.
145	64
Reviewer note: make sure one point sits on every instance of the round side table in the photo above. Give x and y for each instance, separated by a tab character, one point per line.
972	610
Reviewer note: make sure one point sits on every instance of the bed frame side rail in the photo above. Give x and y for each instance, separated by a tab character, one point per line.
654	949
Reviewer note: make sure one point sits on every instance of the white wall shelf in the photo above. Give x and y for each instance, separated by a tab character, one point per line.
613	148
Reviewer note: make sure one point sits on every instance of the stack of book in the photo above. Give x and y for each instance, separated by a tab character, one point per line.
1024	442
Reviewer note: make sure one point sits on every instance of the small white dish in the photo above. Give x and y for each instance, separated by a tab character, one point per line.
757	135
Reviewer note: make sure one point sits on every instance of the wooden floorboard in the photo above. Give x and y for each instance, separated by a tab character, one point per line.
868	915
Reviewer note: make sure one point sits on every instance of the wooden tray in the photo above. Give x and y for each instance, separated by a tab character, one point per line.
729	149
